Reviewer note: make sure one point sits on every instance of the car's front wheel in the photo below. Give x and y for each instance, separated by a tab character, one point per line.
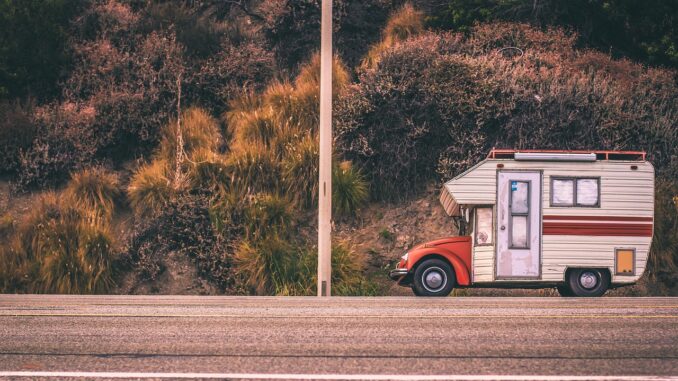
433	277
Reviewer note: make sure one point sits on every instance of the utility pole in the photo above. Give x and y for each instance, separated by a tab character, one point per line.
325	177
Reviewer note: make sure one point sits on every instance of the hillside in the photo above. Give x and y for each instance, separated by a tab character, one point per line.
177	152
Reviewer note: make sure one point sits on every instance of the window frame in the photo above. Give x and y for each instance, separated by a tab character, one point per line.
475	225
526	215
574	180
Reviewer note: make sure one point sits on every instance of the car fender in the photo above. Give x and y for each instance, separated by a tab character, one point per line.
460	270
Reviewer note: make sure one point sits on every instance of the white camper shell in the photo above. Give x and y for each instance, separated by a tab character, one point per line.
536	216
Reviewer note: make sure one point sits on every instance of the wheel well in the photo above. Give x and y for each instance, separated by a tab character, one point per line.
570	269
432	256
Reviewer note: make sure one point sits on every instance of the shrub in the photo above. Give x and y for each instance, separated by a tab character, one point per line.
350	191
663	260
292	28
270	266
300	172
57	250
416	103
200	131
253	170
406	22
268	215
207	170
17	132
347	271
444	100
150	189
183	226
6	226
76	259
96	190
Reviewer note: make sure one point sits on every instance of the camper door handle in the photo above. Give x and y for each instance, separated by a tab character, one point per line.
503	227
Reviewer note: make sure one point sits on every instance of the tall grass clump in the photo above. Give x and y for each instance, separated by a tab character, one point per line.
94	189
268	215
199	131
150	188
350	190
207	170
57	248
272	265
402	24
300	171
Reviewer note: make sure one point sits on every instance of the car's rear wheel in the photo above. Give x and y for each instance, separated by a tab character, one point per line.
588	282
433	277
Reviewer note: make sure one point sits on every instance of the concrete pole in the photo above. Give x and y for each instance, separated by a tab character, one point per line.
325	178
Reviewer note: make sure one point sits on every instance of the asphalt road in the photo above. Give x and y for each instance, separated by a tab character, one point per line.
336	338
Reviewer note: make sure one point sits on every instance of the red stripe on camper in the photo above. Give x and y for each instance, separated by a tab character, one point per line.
598	218
597	229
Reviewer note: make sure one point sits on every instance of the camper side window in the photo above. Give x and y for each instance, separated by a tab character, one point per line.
573	191
483	228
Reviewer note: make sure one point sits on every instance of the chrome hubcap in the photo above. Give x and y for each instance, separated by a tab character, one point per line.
434	279
588	280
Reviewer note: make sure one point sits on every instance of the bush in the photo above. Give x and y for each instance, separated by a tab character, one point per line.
253	170
406	22
183	226
268	215
96	190
293	28
200	132
350	191
271	266
56	249
150	189
300	172
417	102
663	260
442	101
17	132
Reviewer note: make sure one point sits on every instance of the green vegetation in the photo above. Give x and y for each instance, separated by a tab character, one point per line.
229	179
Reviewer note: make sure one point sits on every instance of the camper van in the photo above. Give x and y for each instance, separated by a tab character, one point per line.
579	221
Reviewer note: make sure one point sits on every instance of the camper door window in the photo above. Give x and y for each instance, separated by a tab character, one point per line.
575	192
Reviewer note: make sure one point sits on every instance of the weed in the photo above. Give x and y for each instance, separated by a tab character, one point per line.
386	235
94	189
349	189
150	189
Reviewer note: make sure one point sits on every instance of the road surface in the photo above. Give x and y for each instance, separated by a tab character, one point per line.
337	338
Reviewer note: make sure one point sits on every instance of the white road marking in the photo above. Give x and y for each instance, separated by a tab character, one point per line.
332	377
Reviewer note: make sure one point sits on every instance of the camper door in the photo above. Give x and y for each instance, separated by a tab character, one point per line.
518	254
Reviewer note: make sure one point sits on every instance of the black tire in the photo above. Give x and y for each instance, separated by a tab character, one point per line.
588	282
564	291
433	277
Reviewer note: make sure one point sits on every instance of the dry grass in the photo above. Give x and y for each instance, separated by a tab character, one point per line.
150	188
403	24
300	172
57	248
94	189
200	131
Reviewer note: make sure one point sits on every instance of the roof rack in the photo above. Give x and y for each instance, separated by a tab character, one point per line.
600	155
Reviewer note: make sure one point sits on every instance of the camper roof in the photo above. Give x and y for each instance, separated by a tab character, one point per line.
559	155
